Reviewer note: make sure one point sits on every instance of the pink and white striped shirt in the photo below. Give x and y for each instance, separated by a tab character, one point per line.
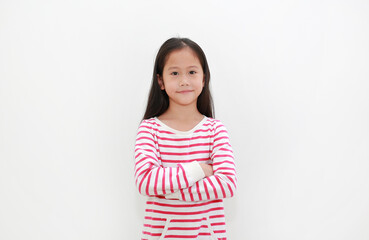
183	203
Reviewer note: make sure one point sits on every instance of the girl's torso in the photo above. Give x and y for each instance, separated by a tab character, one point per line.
175	219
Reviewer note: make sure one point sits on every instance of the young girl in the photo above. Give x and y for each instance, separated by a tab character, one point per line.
183	158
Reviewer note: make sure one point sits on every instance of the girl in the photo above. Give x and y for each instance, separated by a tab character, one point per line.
183	158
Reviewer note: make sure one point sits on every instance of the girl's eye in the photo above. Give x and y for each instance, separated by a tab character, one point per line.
175	73
192	72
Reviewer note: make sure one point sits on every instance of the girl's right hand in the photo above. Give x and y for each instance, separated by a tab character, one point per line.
208	169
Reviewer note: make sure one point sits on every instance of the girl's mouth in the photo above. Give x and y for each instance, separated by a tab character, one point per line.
185	91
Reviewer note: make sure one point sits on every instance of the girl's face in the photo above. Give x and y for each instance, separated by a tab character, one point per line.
183	77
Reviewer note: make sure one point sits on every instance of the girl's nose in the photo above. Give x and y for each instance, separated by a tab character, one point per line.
184	81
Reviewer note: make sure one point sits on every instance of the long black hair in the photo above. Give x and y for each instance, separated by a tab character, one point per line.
158	101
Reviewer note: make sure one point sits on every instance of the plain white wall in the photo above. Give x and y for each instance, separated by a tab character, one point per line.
289	79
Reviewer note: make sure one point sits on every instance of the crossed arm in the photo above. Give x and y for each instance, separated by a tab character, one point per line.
187	181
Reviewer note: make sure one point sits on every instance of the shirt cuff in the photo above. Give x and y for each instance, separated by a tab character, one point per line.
193	171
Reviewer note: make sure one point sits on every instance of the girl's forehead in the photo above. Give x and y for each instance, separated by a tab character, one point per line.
182	57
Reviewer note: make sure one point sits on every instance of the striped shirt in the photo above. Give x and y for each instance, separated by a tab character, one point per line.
183	203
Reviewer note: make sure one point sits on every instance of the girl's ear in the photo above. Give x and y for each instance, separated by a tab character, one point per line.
160	82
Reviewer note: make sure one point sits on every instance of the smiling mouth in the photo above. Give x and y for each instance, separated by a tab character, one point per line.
185	91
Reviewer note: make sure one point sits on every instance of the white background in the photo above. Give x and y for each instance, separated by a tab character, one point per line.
289	80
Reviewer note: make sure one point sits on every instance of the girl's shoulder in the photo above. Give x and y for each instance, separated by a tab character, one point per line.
214	125
149	121
148	124
214	122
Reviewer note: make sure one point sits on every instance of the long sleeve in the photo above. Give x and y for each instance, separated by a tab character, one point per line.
151	178
223	183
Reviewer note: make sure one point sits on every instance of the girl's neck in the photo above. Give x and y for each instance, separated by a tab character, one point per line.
181	113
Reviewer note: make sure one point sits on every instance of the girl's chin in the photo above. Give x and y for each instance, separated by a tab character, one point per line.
184	103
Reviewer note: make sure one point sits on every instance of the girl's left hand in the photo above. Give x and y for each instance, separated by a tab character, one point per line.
208	169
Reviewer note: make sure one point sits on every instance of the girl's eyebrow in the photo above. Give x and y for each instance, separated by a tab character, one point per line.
192	67
178	67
